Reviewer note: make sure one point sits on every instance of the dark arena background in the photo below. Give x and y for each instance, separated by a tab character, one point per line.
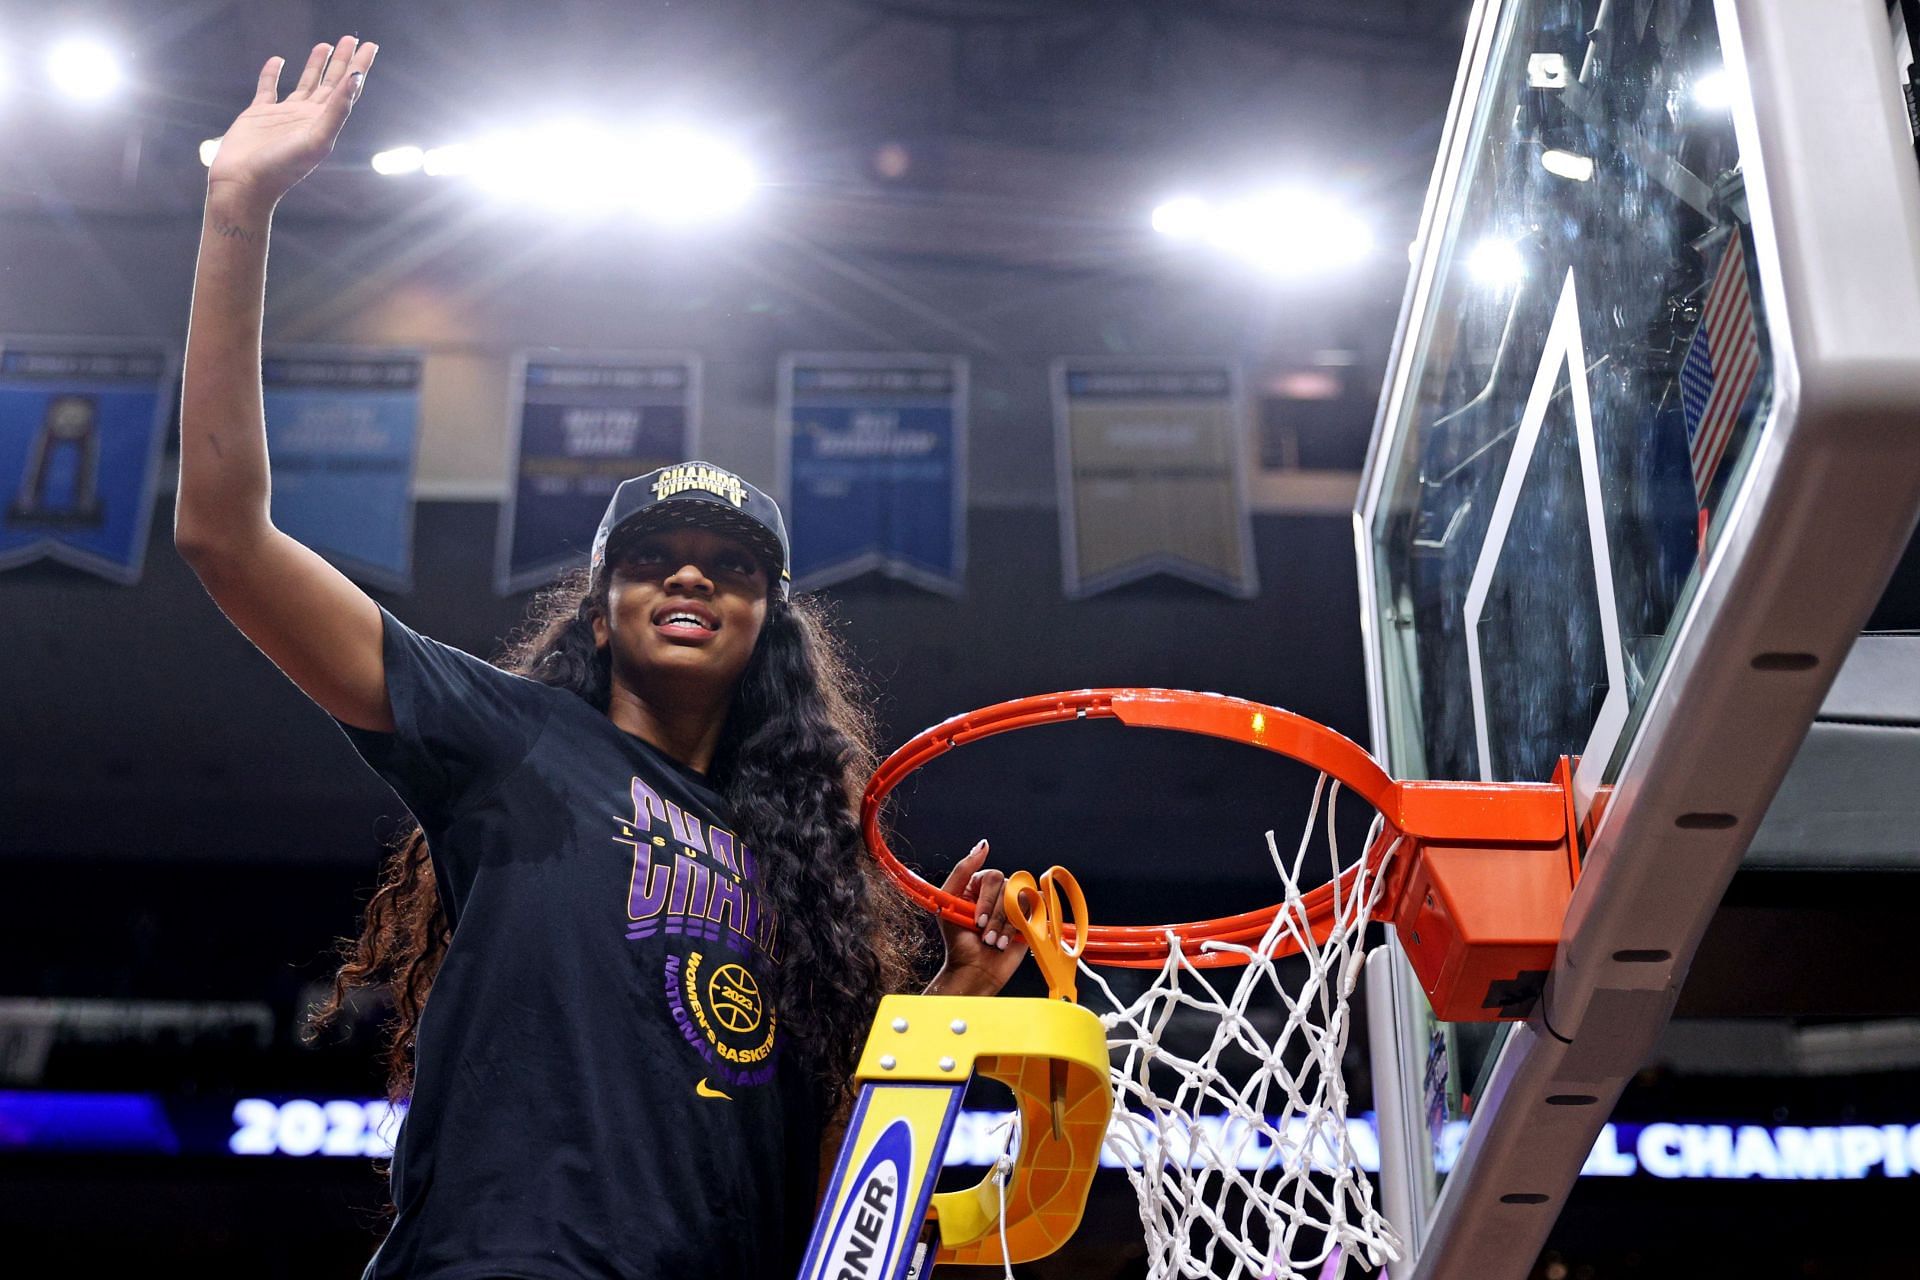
1008	192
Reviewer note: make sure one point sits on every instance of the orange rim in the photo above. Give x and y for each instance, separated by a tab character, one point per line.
1211	714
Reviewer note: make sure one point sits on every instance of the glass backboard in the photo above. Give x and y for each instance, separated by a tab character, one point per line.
1584	377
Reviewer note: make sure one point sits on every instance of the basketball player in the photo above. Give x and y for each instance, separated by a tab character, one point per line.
636	890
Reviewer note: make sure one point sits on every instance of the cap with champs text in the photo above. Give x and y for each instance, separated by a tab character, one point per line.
707	497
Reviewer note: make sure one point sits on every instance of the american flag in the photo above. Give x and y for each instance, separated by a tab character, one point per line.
1720	367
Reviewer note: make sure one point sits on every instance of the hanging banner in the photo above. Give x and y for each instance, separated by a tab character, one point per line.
581	423
1151	477
873	467
81	428
342	425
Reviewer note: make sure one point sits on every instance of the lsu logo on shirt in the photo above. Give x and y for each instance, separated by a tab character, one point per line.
691	879
694	882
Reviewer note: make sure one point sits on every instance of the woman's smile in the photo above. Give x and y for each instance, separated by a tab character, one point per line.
686	621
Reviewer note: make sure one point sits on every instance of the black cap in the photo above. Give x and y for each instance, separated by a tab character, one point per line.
703	495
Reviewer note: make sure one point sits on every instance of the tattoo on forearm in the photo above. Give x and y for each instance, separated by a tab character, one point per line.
234	231
214	440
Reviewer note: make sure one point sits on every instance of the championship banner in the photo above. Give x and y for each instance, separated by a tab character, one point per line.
873	467
581	424
81	428
1151	477
341	431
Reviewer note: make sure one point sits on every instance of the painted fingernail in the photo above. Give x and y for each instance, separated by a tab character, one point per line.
1002	944
987	937
982	920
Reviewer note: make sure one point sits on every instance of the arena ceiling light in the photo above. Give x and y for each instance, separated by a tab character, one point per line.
84	69
685	176
395	161
1496	263
1713	90
1287	232
1183	217
669	174
452	161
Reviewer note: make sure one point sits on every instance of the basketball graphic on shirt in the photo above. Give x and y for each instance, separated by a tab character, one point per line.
723	1010
734	998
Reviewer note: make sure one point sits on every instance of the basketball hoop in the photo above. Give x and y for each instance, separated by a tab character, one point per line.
1478	891
1240	1154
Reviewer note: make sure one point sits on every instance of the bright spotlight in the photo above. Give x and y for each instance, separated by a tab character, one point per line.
668	175
397	160
450	161
84	69
1565	164
1292	233
683	176
1183	217
1713	91
208	150
571	167
563	166
1496	263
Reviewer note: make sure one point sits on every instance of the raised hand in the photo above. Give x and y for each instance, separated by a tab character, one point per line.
277	141
979	960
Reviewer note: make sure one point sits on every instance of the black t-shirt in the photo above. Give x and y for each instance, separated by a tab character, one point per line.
599	1084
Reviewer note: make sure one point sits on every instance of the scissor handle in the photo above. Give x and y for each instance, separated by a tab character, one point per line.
1045	924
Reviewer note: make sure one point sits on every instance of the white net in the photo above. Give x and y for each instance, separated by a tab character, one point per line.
1236	1141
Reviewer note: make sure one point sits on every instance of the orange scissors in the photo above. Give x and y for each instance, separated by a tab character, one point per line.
1044	924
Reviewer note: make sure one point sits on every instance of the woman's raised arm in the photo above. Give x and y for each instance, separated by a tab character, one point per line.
318	627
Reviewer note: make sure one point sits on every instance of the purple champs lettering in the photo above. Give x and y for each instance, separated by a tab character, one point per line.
686	828
728	900
647	805
652	876
749	931
721	841
676	890
690	886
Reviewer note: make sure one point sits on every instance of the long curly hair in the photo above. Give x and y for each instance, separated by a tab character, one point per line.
793	758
